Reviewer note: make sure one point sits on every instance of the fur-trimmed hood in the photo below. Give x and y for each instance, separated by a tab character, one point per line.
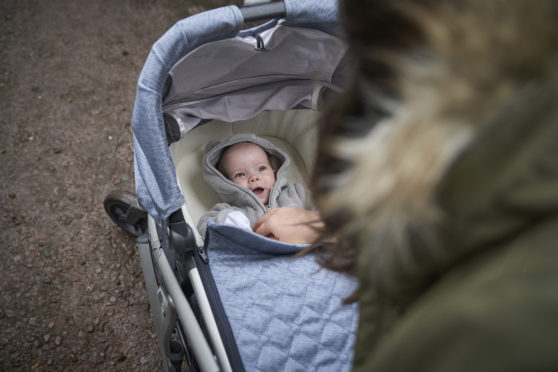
465	156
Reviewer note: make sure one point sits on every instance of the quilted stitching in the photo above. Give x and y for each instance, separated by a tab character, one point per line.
285	313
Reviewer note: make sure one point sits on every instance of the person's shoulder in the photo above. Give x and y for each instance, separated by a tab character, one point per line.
493	312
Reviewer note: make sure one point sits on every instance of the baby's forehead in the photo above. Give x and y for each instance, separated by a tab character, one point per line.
235	151
243	147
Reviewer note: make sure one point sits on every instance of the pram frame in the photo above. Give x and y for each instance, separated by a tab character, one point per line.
165	284
170	306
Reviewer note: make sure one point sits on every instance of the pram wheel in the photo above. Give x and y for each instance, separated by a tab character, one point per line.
124	209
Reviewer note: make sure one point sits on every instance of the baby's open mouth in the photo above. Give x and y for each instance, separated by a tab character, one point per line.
258	191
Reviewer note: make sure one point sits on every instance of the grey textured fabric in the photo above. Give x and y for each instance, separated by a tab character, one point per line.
285	313
252	81
238	198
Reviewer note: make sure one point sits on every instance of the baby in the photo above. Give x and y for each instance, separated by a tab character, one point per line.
248	165
249	174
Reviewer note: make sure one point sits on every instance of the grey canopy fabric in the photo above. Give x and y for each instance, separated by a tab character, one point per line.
212	83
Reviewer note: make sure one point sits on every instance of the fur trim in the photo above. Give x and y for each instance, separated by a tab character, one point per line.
473	57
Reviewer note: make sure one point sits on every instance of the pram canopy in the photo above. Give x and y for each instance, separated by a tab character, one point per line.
205	67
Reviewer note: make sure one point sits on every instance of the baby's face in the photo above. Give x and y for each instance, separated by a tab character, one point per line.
247	165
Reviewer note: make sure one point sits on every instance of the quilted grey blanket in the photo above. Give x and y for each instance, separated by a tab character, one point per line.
286	313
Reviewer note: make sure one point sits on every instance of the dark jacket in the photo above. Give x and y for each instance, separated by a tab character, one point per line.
493	305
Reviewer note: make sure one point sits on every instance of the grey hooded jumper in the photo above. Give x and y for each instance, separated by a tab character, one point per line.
237	198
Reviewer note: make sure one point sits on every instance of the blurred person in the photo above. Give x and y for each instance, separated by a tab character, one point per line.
437	174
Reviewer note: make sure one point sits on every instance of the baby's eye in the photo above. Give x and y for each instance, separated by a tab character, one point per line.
262	168
239	175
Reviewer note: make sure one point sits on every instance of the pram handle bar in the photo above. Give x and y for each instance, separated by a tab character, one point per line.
262	12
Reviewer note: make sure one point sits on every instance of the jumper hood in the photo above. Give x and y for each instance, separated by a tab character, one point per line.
228	191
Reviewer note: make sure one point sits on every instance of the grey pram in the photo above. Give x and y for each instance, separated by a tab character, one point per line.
208	79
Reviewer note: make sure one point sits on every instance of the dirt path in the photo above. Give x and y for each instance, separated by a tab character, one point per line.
72	294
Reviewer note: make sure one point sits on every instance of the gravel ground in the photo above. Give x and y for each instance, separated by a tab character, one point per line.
72	294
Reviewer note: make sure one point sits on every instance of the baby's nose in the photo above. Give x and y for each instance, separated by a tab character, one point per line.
254	177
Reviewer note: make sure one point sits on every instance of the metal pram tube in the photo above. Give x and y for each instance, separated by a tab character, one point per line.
194	334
